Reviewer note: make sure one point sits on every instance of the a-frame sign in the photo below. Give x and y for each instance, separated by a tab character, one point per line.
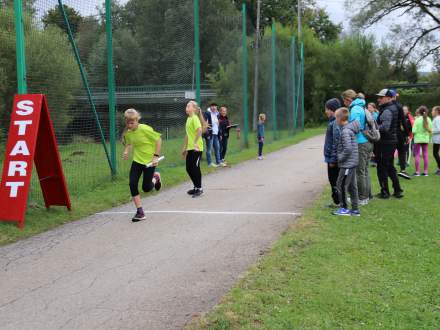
31	139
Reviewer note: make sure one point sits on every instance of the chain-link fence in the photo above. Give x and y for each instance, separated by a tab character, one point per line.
94	59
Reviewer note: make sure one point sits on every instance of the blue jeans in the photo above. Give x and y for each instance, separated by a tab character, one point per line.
210	143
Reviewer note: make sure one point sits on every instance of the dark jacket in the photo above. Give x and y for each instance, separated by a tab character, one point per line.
208	118
331	142
348	153
404	127
223	129
388	122
260	131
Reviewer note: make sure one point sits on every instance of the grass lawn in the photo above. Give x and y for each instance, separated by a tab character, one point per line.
92	190
380	271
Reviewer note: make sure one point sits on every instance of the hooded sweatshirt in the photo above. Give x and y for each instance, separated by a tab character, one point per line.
348	154
357	112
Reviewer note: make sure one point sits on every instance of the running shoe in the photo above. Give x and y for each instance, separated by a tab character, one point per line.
139	216
260	157
424	174
197	193
398	194
355	213
416	174
158	183
363	202
404	175
342	212
191	192
383	195
213	165
223	164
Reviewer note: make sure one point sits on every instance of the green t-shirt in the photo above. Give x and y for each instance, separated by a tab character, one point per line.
192	125
421	135
143	140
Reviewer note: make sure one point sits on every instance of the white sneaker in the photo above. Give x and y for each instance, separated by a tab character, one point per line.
213	165
260	158
363	202
223	164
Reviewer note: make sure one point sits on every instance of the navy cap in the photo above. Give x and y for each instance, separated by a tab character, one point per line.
333	104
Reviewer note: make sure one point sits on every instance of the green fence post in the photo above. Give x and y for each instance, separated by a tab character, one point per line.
245	80
197	49
302	85
274	82
111	84
20	48
293	72
84	80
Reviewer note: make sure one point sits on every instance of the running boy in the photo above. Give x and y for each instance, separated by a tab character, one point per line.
145	144
330	146
193	146
260	134
348	160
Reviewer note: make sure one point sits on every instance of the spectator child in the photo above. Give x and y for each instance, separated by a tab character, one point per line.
330	146
422	131
348	159
436	135
224	127
260	134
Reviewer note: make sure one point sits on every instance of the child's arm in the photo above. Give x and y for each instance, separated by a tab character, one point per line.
157	152
126	151
185	146
196	141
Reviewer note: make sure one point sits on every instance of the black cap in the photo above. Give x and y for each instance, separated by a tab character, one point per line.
333	104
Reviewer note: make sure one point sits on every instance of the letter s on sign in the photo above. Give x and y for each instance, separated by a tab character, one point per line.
25	108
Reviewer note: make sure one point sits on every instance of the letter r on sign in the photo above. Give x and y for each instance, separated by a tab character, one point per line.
17	166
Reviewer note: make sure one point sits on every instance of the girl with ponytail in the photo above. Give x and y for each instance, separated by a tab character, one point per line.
422	131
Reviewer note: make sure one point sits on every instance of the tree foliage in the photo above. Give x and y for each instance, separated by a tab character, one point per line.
417	37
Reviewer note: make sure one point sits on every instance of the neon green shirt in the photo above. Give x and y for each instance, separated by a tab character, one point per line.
192	125
143	140
421	135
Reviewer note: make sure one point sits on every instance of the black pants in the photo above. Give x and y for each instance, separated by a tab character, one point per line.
223	147
136	171
333	173
436	149
260	148
403	151
385	168
193	159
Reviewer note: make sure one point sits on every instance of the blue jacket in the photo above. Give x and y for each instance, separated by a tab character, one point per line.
357	112
331	142
260	131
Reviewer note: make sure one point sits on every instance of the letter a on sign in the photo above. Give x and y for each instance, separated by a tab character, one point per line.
31	140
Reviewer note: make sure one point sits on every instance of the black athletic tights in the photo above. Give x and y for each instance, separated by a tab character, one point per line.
193	167
436	150
135	174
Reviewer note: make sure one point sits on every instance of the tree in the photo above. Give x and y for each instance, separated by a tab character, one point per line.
411	73
419	35
53	17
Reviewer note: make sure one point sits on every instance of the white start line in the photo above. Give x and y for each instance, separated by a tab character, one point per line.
208	212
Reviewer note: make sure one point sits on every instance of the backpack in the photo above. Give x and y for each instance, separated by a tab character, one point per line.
371	128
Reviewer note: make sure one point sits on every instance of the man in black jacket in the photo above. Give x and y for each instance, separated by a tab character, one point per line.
388	121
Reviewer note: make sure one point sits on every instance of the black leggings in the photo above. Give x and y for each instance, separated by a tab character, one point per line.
436	150
260	148
135	174
193	167
223	147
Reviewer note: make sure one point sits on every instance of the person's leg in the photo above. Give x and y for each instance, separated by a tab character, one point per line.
224	148
436	149
340	186
352	188
216	145
208	150
401	150
417	157
196	170
362	171
381	172
391	170
260	149
425	157
333	173
189	168
147	182
135	174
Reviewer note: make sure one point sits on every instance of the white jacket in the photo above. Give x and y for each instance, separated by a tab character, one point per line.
436	130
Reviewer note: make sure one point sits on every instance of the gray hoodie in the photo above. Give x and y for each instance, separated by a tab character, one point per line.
348	155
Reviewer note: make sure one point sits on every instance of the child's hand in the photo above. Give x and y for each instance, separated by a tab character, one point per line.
125	155
155	161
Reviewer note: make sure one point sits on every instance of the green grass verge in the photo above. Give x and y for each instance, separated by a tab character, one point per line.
380	271
92	191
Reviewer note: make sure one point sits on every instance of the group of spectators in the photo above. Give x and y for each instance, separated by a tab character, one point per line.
359	134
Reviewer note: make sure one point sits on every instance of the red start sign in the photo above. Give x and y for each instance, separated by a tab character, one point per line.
31	139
